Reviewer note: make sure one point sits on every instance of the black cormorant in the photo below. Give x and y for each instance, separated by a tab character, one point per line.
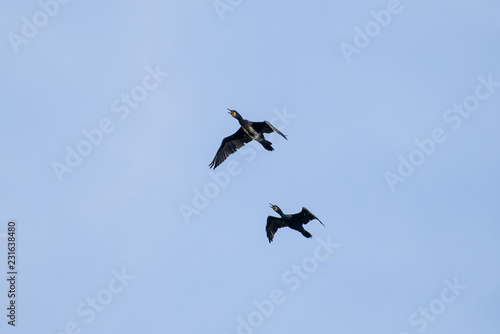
294	222
245	134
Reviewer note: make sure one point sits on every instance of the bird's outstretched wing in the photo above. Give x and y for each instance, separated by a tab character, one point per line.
266	127
273	224
305	216
230	145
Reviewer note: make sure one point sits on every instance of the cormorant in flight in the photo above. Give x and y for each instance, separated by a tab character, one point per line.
247	131
294	222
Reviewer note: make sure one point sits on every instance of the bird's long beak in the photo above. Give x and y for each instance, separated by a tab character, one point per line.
229	110
271	205
320	222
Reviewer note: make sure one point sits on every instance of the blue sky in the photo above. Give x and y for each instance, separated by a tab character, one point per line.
107	244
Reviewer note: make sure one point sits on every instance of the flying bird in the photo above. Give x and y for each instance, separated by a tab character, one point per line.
247	132
294	222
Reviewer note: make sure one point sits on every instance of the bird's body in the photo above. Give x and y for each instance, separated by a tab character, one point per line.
295	222
247	132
